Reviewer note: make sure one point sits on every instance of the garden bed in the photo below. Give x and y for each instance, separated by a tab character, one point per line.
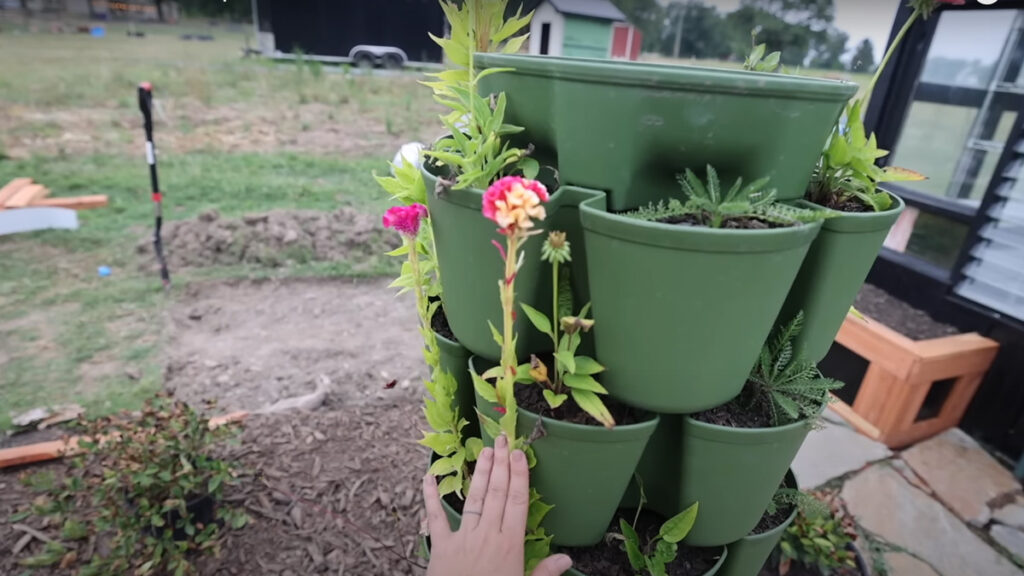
355	470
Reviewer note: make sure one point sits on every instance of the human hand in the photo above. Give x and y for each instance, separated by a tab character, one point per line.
491	538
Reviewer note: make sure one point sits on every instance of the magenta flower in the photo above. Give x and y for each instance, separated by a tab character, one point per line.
514	202
405	219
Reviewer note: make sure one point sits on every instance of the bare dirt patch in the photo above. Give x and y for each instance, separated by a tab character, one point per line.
271	239
249	344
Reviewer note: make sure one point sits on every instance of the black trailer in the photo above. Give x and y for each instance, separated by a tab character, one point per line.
388	33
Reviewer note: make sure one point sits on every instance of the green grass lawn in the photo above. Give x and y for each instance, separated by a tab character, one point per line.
67	335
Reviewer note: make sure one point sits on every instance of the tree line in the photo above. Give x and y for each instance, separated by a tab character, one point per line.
803	30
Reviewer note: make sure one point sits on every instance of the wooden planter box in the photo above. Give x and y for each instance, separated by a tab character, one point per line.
900	374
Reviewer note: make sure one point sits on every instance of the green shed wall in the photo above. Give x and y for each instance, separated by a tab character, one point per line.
586	37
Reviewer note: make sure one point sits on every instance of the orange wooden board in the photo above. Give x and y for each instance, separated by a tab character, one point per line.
27	195
74	203
12	188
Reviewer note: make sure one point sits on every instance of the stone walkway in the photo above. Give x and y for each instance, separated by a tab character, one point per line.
943	507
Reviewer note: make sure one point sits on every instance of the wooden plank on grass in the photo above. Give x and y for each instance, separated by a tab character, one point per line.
44	451
27	195
74	203
12	188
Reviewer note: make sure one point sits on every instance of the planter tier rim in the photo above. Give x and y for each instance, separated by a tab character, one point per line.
734	435
767	534
473	197
696	238
857	222
672	77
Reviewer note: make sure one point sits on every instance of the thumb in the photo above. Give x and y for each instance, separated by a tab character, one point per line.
553	566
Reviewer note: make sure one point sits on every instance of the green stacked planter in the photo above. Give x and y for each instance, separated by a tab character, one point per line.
454	360
630	127
748	555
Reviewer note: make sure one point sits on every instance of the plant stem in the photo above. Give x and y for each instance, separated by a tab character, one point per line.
421	297
508	297
888	55
554	325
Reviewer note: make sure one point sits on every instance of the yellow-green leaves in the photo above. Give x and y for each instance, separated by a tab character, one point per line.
539	320
591	404
677	527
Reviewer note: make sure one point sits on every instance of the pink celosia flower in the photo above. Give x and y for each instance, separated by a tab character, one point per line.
514	202
405	219
500	410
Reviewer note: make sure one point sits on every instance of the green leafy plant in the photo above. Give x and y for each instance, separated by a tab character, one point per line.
651	557
819	537
757	61
474	149
707	205
846	170
142	472
789	385
572	374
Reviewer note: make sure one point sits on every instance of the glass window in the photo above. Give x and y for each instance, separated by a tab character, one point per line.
964	104
927	236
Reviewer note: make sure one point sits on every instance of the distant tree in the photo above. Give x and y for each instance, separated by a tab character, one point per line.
648	16
697	30
863	57
234	9
794	41
159	9
816	15
827	49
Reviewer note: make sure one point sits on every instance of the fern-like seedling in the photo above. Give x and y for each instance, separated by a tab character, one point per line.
791	386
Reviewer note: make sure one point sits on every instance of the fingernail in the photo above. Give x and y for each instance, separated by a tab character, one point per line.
518	456
563	563
488	452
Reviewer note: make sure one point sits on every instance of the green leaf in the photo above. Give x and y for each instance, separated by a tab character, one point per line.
484	388
443	466
584	382
473	447
492	373
677	527
567	359
537	511
214	483
496	335
489	425
529	167
554	400
443	444
636	557
448	485
591	404
538	319
586	366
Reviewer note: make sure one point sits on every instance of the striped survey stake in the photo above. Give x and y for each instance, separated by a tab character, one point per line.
146	105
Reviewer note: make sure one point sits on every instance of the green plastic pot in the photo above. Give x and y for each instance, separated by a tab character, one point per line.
835	268
733	473
471	266
581	470
682	311
748	555
629	127
454	359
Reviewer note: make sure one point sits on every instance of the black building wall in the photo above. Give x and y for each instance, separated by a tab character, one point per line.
333	27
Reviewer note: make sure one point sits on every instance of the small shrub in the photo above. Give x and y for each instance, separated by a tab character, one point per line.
820	540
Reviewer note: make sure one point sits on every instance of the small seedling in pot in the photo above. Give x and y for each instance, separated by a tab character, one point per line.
846	177
573	375
757	61
790	386
651	558
707	205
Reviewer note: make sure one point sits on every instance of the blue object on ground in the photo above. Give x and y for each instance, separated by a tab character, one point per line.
103	271
98	32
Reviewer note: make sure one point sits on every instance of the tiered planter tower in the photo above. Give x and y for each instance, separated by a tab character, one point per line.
681	312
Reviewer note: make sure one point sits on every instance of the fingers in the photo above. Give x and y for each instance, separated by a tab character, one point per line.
437	520
497	490
474	506
518	504
553	566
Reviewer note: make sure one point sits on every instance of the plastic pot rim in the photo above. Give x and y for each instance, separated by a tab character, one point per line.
732	435
474	197
858	222
597	220
648	75
791	479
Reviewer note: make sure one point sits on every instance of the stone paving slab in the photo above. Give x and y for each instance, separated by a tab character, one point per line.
962	474
906	565
887	505
832	451
1009	538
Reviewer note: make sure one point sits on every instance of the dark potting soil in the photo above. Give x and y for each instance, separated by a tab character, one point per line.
439	324
744	411
770	521
916	324
744	223
853	205
532	399
609	557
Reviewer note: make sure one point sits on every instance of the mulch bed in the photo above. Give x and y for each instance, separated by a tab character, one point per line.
328	493
915	324
609	557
